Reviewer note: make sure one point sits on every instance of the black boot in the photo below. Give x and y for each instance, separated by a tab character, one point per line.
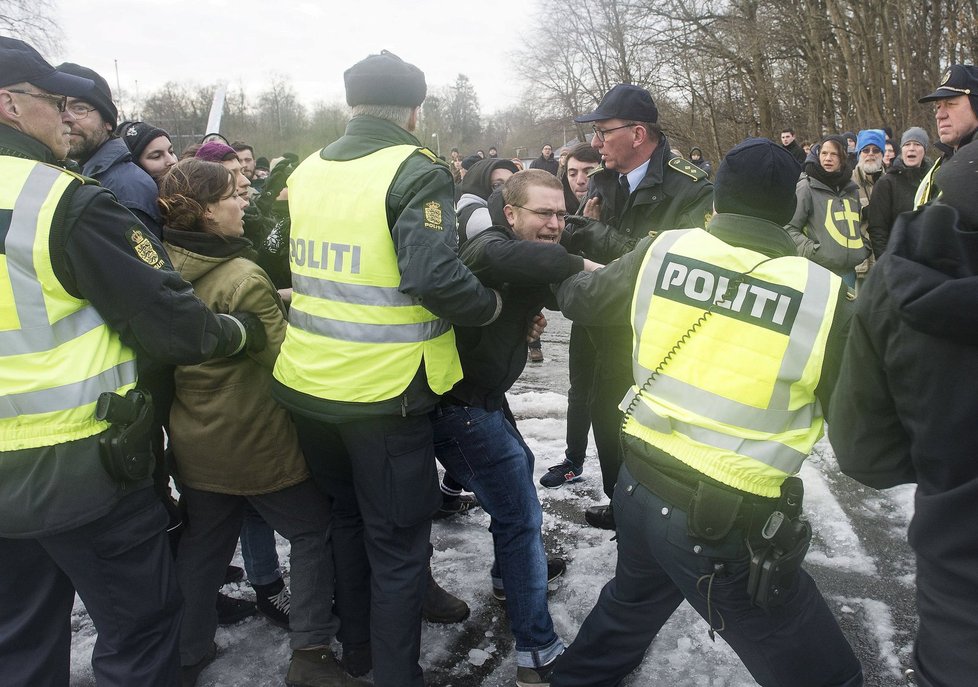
440	606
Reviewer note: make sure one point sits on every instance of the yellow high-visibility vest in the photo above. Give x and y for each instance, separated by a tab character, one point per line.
736	398
353	336
925	191
57	354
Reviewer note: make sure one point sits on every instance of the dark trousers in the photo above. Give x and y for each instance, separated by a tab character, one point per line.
581	358
945	651
394	486
122	569
612	379
797	645
300	514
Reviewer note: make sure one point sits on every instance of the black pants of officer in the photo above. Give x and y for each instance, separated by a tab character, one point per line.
945	651
612	379
395	485
581	358
122	569
797	645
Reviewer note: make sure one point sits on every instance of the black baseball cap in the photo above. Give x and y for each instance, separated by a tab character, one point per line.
959	79
19	63
624	101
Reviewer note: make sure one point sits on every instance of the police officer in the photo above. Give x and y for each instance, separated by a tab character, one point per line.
84	288
640	189
736	351
956	113
370	347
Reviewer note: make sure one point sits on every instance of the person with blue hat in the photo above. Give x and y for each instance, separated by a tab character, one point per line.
641	189
870	146
87	298
956	113
736	348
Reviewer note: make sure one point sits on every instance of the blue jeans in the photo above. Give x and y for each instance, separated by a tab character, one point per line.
798	644
487	455
258	548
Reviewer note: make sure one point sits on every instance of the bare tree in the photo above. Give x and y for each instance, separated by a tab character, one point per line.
31	21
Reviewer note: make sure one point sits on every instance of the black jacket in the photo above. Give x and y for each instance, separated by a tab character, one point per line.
904	408
494	356
796	151
892	194
547	164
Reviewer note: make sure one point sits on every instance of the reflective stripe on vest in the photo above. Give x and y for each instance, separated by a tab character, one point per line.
736	398
57	355
353	336
926	187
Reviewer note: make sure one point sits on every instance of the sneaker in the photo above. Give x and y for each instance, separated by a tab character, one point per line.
442	607
318	668
233	574
274	601
535	355
190	674
556	567
602	517
455	505
535	677
559	475
231	610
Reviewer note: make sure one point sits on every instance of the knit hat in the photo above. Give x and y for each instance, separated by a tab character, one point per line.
757	178
138	135
214	152
957	178
867	137
469	161
384	79
915	133
100	95
262	163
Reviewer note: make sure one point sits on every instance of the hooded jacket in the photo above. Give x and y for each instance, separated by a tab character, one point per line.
810	225
228	435
113	167
904	411
892	195
474	191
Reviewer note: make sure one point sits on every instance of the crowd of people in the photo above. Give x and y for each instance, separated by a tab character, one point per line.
298	345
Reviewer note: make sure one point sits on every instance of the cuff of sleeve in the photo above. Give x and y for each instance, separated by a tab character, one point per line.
499	308
241	329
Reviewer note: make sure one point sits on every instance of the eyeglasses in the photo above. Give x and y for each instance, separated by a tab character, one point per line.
601	133
545	214
80	110
60	101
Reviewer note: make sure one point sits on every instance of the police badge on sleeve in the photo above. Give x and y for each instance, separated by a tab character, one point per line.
432	215
144	249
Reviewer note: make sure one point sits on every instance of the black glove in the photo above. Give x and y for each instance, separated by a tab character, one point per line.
255	338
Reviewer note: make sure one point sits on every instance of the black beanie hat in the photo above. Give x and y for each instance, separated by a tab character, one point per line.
100	96
384	79
957	178
138	135
757	178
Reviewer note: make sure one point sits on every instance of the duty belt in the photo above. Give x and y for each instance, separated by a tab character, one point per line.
753	509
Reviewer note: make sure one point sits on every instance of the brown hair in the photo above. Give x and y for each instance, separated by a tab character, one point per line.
515	190
186	190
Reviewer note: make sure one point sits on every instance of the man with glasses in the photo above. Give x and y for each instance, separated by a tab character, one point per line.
104	156
956	112
83	291
519	255
870	145
641	190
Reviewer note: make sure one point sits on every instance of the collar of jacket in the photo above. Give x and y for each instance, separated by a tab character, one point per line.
112	152
14	143
208	244
849	187
365	135
752	233
654	174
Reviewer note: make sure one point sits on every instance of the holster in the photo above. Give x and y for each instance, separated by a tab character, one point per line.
126	446
784	542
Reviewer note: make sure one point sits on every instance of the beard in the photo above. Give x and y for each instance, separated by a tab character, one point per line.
874	167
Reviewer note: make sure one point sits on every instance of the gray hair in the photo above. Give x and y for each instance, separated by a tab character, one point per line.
396	114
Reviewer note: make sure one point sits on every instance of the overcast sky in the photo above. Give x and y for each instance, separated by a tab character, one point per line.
244	42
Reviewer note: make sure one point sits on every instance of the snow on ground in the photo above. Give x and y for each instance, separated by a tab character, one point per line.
859	558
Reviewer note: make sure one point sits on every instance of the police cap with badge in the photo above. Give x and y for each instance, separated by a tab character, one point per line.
959	79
